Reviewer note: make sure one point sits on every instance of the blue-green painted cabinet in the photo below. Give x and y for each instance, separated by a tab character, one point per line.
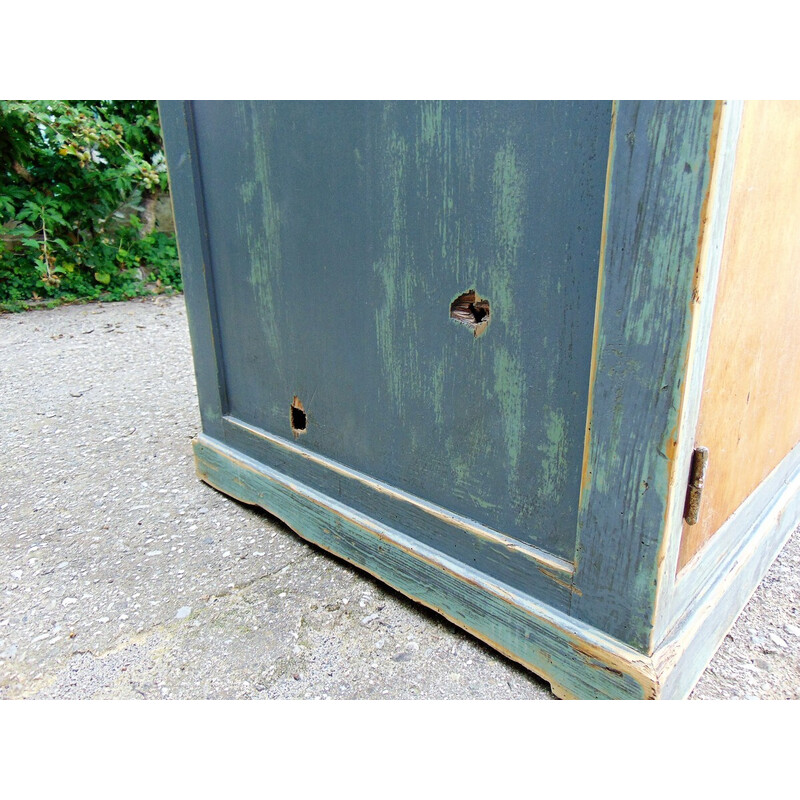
449	341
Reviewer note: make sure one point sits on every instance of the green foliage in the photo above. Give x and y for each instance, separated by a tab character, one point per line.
66	169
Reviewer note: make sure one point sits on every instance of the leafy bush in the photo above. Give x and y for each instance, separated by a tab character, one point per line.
66	169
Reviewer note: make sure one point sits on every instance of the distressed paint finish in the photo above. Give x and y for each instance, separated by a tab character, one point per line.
529	569
576	660
339	235
703	304
263	242
659	181
479	501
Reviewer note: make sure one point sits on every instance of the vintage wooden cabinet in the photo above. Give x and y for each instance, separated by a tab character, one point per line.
472	347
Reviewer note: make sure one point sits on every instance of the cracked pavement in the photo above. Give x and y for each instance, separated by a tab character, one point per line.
124	576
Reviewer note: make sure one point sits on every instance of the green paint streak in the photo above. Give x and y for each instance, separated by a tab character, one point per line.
263	240
508	184
431	123
508	200
438	395
396	326
434	144
210	411
553	473
509	389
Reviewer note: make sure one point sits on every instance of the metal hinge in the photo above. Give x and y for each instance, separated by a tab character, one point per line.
697	477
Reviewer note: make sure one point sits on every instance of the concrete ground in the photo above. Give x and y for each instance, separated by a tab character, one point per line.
123	576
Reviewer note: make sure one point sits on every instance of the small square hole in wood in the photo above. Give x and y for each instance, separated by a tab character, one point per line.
298	417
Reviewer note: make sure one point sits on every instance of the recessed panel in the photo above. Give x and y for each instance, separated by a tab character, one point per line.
408	289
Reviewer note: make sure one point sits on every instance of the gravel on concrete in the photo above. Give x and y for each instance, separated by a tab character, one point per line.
124	576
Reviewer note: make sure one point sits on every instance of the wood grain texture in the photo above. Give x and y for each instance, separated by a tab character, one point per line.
723	153
750	408
658	189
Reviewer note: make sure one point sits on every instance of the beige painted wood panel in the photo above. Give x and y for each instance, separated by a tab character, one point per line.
750	407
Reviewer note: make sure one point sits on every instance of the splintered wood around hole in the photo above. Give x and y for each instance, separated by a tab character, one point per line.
472	310
298	416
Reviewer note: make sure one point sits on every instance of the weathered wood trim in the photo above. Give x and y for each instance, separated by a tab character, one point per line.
702	314
713	607
576	659
186	191
658	192
579	661
543	558
531	571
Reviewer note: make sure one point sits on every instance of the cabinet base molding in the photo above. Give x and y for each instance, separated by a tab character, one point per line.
578	661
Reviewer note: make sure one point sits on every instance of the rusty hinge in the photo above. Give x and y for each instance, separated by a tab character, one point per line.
697	477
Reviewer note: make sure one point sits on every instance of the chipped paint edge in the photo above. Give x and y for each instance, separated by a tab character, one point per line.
619	544
598	312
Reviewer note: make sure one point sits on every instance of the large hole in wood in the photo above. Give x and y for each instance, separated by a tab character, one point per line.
298	416
472	310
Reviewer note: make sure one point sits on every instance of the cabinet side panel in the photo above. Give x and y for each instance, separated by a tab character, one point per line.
750	408
343	239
